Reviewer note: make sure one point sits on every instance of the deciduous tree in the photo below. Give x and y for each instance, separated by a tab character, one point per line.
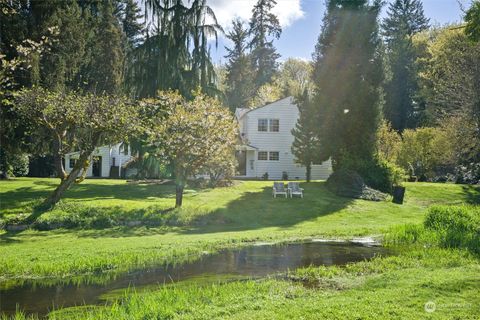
68	121
195	133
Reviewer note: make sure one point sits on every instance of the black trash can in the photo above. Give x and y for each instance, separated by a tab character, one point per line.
398	194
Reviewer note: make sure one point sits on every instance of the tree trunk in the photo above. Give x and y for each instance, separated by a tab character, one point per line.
309	172
68	181
57	155
178	194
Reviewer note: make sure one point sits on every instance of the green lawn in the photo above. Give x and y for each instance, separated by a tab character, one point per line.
210	220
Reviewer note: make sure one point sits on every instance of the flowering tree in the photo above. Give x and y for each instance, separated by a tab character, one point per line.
194	134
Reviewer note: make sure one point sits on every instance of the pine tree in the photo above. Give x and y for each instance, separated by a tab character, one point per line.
306	145
404	19
347	75
240	87
132	27
264	25
105	71
60	67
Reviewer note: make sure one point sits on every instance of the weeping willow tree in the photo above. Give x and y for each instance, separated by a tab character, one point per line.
175	53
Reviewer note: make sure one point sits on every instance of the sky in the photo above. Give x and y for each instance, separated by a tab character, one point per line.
301	22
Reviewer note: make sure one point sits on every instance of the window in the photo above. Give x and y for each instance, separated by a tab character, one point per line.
113	162
274	156
274	125
262	155
71	162
263	125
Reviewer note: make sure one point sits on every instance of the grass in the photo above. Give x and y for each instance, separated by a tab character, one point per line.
432	265
396	287
212	219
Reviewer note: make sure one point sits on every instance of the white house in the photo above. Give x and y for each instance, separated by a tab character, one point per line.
107	161
267	139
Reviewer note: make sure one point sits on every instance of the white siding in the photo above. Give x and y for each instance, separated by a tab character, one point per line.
281	141
107	153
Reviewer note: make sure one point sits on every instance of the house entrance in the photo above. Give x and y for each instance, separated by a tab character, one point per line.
97	167
241	162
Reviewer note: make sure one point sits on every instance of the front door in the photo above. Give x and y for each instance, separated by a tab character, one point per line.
241	162
97	167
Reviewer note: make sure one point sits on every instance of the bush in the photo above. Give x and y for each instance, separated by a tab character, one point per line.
383	175
284	175
348	183
14	164
457	226
444	226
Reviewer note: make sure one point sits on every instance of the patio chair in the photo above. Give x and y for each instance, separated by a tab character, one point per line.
294	189
279	188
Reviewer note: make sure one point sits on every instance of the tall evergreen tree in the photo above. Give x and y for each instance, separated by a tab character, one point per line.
105	72
306	144
176	55
264	28
240	87
404	18
60	66
131	22
347	75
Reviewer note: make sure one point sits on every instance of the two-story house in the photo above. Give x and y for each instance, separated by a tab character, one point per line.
266	136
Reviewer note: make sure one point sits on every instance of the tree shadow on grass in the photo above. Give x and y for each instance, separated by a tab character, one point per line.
86	192
256	210
472	194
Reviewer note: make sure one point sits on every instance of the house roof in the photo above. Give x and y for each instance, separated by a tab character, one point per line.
241	112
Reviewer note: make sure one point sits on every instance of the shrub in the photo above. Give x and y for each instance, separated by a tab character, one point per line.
457	226
424	150
284	175
348	183
265	176
444	226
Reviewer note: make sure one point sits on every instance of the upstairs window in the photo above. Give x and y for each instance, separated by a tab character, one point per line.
71	162
274	125
262	125
262	155
274	156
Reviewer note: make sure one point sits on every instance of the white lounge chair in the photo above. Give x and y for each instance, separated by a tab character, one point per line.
294	189
279	188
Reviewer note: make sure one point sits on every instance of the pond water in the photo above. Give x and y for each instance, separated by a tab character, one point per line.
251	262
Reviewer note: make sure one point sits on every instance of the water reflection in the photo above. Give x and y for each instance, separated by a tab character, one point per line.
256	261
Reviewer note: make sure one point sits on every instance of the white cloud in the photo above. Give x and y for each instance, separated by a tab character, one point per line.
287	11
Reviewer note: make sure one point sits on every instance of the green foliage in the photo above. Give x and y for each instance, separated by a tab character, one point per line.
347	75
447	226
70	120
306	143
264	24
295	77
198	134
105	71
240	73
421	151
457	226
404	18
176	55
388	142
472	17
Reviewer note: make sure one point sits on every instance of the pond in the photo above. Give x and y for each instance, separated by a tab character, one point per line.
40	297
